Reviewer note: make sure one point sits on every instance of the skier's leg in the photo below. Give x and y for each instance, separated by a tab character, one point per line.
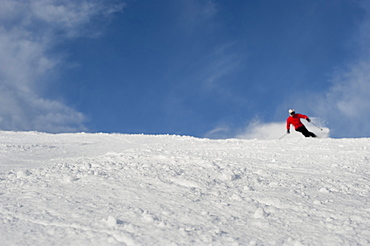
305	132
302	130
308	133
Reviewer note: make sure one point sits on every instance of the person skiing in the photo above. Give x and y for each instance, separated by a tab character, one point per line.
294	119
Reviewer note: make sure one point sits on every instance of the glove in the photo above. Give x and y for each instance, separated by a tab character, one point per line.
288	131
308	119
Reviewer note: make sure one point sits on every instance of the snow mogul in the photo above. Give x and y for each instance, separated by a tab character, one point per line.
295	120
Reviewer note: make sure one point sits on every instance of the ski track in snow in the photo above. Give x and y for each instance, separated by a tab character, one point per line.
116	189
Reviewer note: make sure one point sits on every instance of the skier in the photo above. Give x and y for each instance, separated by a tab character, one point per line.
294	119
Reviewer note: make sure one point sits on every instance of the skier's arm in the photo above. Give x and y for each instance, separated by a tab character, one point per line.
288	124
304	117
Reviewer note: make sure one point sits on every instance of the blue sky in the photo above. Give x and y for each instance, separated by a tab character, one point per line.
206	68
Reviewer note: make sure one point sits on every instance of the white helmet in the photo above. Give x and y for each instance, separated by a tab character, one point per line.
291	111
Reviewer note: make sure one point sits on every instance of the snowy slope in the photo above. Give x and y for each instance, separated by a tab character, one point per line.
115	189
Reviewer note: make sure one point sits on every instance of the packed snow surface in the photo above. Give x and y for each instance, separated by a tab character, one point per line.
116	189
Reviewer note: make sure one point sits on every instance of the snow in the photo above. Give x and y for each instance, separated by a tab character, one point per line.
117	189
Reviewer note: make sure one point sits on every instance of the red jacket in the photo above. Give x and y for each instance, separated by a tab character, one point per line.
295	120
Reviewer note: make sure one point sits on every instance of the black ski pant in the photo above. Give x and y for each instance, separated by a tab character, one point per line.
305	132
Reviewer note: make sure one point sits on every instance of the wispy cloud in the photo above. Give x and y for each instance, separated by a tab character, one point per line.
209	64
224	60
347	103
29	30
195	14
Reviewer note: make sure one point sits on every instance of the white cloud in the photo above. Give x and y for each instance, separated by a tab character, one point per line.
351	92
70	16
347	103
29	30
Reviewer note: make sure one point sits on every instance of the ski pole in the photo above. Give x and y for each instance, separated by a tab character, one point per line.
316	126
283	136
